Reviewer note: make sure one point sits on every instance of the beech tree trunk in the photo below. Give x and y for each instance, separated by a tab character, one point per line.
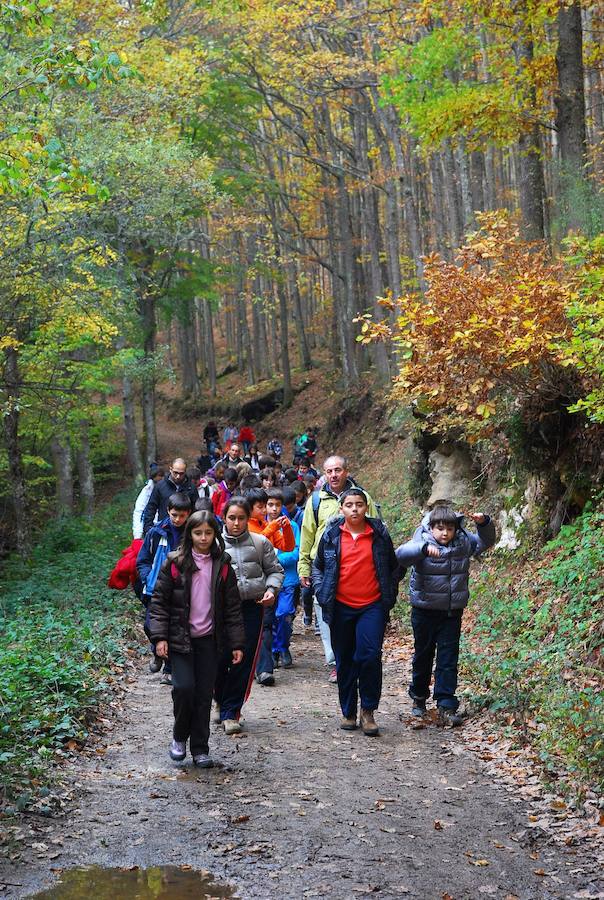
570	100
148	382
61	456
85	471
16	475
135	461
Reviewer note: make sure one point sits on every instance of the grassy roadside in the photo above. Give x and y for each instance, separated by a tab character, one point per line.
534	645
63	632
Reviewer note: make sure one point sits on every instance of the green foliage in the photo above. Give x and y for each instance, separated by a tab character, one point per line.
585	348
534	646
436	91
63	631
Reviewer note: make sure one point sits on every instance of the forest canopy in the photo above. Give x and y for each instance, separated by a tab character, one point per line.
189	184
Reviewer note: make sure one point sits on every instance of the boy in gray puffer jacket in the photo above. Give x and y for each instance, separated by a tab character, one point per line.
439	553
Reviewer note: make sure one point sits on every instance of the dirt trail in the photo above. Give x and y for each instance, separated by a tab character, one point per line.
296	807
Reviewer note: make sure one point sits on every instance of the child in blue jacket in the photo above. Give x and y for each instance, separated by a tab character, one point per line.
285	607
440	553
160	540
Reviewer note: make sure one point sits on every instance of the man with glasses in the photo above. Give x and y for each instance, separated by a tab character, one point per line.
175	481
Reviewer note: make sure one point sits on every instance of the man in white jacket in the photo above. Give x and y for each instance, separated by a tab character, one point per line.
156	473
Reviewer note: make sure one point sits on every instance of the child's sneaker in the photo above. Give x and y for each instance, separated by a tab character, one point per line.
266	679
216	720
333	676
307	621
449	717
203	761
178	750
419	708
286	659
276	660
231	726
166	678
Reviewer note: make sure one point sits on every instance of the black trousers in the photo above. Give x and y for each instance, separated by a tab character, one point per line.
439	632
193	677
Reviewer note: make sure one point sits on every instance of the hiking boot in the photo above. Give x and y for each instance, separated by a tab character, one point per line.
368	723
349	723
286	659
216	720
419	708
276	660
231	726
155	664
203	761
333	676
449	717
178	750
266	679
166	678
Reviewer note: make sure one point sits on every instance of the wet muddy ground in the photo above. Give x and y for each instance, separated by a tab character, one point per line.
294	808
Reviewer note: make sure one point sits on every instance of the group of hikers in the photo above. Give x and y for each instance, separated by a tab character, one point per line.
227	555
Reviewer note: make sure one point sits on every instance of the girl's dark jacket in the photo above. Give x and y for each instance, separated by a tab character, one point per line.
326	566
170	607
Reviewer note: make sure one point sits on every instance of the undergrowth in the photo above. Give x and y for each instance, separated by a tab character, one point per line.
63	630
533	648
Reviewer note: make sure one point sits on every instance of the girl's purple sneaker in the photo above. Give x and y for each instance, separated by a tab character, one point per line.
178	750
203	761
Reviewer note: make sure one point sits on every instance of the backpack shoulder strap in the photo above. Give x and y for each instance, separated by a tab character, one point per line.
257	540
316	500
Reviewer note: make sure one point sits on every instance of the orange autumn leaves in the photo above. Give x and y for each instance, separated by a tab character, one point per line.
488	327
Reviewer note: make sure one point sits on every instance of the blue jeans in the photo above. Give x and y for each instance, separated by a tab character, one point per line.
330	658
357	635
282	633
436	631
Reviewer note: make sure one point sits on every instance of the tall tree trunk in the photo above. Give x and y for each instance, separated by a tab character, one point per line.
347	312
531	181
61	457
135	461
296	301
208	336
570	117
148	381
85	471
452	194
13	448
570	99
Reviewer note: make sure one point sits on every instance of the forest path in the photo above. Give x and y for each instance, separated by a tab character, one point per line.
295	807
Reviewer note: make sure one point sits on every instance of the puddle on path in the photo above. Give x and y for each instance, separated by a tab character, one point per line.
155	883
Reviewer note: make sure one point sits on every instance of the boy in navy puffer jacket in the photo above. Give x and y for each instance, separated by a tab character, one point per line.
440	552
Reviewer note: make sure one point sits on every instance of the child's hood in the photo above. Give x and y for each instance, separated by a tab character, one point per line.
424	534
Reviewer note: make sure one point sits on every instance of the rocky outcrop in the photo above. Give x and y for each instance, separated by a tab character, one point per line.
451	472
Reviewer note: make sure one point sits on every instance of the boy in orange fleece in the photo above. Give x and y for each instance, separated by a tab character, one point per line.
279	532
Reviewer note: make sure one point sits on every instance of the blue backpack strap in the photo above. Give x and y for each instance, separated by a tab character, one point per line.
316	499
